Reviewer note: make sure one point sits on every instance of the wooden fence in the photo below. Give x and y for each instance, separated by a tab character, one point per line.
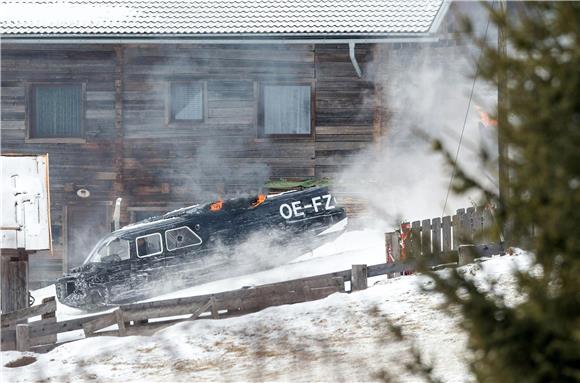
444	235
148	317
135	319
435	236
14	334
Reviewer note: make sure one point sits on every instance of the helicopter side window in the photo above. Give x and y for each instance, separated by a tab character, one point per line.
148	245
113	251
180	238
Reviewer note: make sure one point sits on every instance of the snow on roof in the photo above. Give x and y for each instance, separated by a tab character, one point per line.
219	17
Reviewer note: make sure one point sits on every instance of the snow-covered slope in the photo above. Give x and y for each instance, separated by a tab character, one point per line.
354	247
342	337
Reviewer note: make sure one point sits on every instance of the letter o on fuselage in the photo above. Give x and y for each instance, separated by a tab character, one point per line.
286	211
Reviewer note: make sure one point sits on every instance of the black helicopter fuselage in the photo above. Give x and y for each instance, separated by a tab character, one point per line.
200	244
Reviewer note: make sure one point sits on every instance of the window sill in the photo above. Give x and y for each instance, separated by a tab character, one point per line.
63	140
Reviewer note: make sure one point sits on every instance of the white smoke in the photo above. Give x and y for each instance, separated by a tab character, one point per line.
427	93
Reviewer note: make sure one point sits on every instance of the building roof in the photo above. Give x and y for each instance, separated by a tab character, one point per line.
219	18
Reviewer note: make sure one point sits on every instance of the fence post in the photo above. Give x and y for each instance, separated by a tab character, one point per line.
22	337
214	311
465	254
358	279
392	247
120	322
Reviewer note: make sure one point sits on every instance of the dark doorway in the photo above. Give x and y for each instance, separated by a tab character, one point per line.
86	224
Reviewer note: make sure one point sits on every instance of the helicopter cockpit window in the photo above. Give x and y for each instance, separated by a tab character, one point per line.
149	245
111	250
180	238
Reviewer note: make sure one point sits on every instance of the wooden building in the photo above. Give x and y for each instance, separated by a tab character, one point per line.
169	104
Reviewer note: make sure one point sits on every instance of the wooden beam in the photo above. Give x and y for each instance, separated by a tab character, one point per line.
118	143
214	311
13	280
392	247
22	337
202	309
99	323
48	317
47	306
119	317
43	328
446	234
436	236
359	277
456	224
416	239
426	237
161	309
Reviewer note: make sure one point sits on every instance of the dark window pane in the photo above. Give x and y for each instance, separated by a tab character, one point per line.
180	238
57	111
186	101
286	109
149	245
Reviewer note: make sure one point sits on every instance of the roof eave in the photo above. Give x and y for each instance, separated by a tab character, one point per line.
262	38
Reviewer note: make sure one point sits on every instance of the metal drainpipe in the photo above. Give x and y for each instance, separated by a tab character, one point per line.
353	59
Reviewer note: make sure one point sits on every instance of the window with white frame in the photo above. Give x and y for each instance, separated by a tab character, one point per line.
186	101
286	110
149	245
180	238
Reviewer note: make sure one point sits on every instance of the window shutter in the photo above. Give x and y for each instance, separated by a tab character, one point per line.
57	111
186	101
286	109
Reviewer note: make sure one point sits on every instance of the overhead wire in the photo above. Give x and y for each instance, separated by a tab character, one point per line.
454	172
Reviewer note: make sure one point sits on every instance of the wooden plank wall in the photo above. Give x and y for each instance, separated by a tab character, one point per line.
182	163
345	106
72	166
223	153
167	164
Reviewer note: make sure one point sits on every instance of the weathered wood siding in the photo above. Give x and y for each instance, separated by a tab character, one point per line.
222	153
72	166
345	115
132	150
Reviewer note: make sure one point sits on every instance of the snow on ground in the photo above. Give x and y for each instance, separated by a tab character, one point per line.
354	247
337	338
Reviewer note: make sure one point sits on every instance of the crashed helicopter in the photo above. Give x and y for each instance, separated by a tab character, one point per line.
199	244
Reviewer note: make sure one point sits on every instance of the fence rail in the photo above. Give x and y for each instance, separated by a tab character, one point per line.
148	317
15	335
135	318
